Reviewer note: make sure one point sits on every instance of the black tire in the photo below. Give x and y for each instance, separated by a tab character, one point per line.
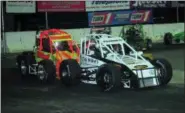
22	64
149	44
177	41
168	38
70	73
127	74
49	75
166	70
114	75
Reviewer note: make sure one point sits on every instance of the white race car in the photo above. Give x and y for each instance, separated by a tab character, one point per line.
111	63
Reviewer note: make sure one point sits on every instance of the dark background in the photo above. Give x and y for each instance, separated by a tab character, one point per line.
70	20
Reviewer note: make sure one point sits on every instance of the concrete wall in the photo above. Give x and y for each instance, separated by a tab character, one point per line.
22	41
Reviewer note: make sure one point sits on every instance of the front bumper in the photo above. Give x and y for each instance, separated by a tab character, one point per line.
147	79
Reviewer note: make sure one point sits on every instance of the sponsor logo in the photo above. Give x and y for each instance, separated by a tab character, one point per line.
98	5
142	16
20	7
140	67
148	3
89	60
107	2
57	6
106	41
101	18
98	18
20	1
122	17
137	16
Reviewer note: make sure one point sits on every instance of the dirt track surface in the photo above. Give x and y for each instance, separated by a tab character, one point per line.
31	97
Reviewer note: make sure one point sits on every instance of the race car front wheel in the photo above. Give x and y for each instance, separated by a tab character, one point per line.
165	72
46	72
108	78
70	72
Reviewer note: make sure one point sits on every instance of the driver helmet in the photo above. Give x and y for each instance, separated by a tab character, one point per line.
116	47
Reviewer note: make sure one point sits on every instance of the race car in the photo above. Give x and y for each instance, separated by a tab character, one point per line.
135	37
174	38
112	63
54	49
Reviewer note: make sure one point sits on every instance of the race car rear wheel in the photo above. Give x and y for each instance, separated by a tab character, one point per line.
70	72
23	62
149	44
168	38
165	70
108	77
22	66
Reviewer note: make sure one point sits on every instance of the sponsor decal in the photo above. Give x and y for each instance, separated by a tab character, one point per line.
89	60
178	3
107	41
140	16
100	30
61	6
150	4
140	67
101	18
20	7
120	17
106	5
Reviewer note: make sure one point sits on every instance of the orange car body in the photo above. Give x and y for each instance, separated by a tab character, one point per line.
56	53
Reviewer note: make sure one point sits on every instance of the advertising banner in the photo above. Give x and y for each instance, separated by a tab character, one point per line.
150	4
106	5
20	7
61	6
120	17
178	3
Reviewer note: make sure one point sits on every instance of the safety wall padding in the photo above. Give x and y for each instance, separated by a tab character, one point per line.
24	41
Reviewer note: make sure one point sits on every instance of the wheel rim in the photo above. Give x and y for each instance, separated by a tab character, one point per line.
150	45
161	73
64	73
42	73
107	82
23	67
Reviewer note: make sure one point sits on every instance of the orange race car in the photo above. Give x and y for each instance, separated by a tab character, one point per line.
54	55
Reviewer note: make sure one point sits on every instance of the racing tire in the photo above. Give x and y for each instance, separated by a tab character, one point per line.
113	74
23	66
165	69
149	44
70	73
168	38
177	41
46	72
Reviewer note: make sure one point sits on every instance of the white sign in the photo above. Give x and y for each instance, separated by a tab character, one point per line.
178	3
106	5
20	7
149	4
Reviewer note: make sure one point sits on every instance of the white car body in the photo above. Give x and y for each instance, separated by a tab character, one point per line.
147	76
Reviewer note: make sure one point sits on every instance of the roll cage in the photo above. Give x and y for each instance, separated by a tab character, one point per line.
47	38
103	41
